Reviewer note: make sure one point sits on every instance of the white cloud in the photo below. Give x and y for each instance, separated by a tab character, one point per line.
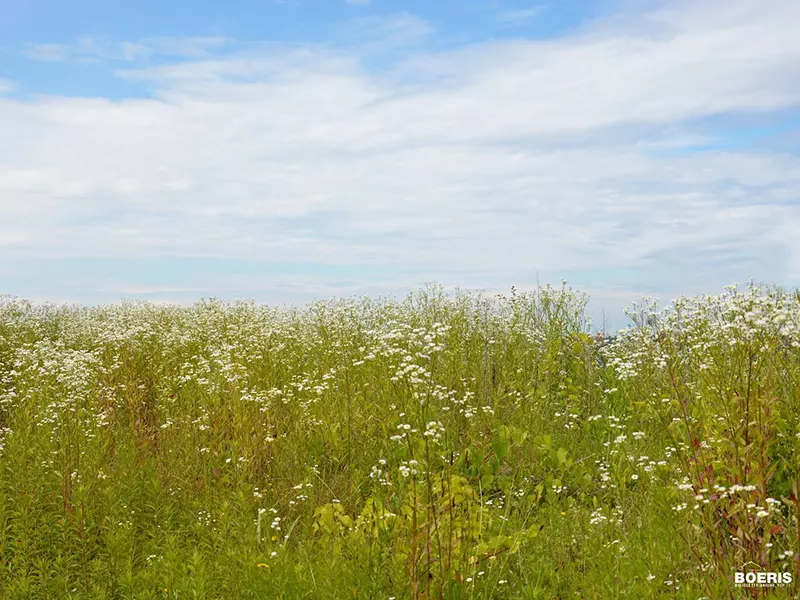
484	163
6	85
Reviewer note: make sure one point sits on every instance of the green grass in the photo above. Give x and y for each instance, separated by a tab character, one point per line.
439	447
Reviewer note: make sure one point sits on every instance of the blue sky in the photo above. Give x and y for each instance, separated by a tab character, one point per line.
289	150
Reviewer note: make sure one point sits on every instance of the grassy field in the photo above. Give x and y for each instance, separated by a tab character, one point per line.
437	447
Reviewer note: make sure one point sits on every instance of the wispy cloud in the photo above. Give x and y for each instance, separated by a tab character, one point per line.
518	17
357	2
6	85
485	163
376	32
47	52
92	49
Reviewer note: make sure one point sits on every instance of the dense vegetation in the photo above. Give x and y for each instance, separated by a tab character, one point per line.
439	447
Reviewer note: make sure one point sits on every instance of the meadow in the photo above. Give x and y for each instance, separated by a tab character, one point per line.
440	446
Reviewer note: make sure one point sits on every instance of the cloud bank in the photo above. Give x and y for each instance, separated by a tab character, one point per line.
612	156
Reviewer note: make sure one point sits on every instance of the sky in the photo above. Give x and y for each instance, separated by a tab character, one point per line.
289	150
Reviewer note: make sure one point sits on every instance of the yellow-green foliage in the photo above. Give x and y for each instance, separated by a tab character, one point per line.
438	447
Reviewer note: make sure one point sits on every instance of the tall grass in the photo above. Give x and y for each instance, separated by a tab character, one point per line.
437	447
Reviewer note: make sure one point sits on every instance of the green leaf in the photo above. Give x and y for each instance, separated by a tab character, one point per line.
518	436
501	445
